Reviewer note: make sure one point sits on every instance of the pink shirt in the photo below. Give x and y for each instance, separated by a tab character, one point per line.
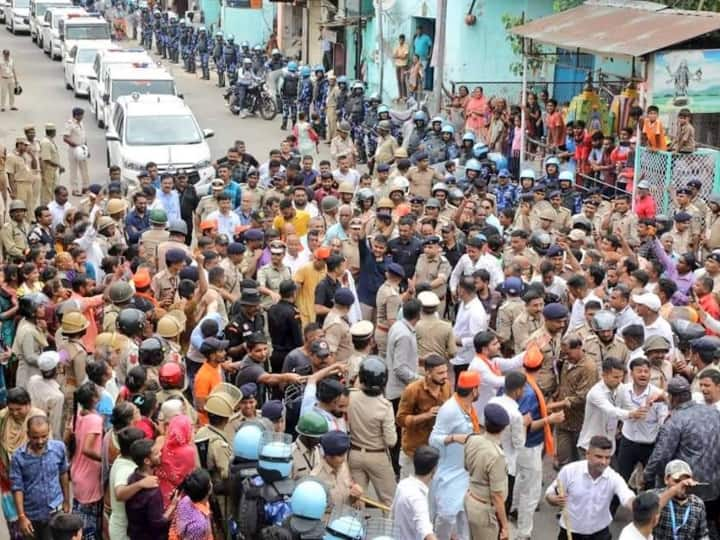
85	472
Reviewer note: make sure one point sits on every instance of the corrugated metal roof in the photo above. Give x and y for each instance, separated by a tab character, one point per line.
619	29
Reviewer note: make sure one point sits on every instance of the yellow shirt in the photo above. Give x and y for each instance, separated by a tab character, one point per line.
307	277
301	222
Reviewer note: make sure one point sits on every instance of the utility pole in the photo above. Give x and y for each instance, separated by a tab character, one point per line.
381	41
439	53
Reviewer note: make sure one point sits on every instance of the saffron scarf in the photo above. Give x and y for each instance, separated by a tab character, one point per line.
549	441
491	365
470	412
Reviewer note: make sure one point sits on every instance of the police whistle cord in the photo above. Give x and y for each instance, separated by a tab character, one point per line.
376	504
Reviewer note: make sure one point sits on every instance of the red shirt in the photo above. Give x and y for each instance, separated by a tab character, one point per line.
582	153
710	306
645	207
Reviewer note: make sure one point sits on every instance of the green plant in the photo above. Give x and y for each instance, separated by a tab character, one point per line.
536	55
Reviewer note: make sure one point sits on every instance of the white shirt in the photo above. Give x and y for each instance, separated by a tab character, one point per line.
630	532
58	212
602	412
410	511
465	267
558	287
512	439
646	430
577	315
351	176
625	318
226	222
490	383
589	499
311	208
470	319
660	328
294	263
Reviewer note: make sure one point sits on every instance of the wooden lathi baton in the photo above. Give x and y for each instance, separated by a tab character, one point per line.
373	502
564	511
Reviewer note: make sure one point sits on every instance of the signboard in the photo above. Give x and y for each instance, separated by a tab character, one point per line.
686	79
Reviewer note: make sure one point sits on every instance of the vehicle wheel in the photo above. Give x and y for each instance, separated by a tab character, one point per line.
268	109
107	157
39	42
100	122
33	37
55	57
69	86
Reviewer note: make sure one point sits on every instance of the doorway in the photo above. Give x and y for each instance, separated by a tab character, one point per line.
428	26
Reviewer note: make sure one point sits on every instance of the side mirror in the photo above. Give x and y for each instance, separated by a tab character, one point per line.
181	96
70	60
46	24
112	137
207	133
62	37
106	98
92	78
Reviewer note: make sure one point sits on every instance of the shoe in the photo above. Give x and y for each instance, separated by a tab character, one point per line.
13	108
2	110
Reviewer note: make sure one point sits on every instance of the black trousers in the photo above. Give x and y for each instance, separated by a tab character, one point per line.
600	535
631	453
395	450
509	498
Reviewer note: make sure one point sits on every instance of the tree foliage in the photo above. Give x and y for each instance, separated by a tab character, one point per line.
534	51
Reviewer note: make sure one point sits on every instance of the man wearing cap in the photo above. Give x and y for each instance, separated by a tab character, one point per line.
381	184
337	325
306	449
50	164
683	203
433	268
177	231
153	237
387	303
422	176
18	167
209	203
232	266
530	320
74	137
644	201
647	306
165	283
455	421
434	334
362	338
621	221
691	434
342	145
13	234
334	472
386	144
45	393
488	485
511	308
270	276
548	339
681	233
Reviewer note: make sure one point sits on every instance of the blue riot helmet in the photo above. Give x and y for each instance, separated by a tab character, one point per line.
383	109
566	176
480	150
374	98
342	79
345	523
274	456
246	444
447	128
231	38
420	116
305	71
469	136
309	499
379	528
218	34
319	68
499	160
292	67
473	165
245	45
437	119
275	52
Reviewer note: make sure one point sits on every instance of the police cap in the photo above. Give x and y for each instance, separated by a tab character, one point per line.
273	410
335	443
555	311
362	329
344	297
496	414
396	269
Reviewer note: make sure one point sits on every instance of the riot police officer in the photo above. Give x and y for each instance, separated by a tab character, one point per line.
289	94
417	134
258	59
245	51
306	91
230	57
342	96
370	125
320	92
157	21
308	503
219	58
203	45
433	142
164	36
355	107
188	51
176	28
146	28
451	149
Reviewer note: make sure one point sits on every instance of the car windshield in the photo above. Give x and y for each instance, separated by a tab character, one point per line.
161	130
22	3
125	88
90	31
40	9
86	56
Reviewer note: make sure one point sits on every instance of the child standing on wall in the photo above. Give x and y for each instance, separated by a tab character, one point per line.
654	130
684	142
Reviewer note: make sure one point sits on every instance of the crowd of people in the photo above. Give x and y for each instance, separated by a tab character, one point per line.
429	341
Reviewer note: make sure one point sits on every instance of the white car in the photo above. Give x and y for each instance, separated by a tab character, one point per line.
78	66
104	60
141	79
162	129
50	39
3	5
17	16
77	28
37	15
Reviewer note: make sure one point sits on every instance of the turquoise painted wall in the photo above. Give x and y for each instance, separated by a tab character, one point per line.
253	25
473	53
211	10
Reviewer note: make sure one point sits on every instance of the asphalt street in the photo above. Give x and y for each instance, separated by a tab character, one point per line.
45	99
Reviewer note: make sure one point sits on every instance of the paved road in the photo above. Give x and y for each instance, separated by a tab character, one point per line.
45	99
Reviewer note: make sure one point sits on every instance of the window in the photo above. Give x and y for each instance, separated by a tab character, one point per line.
125	88
87	31
86	56
238	3
48	17
22	4
162	130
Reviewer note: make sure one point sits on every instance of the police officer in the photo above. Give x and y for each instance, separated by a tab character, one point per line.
156	28
121	295
306	91
177	231
219	58
174	40
320	92
355	108
308	503
165	283
245	79
486	465
188	49
284	324
156	234
373	430
362	339
246	319
412	143
333	469
306	448
549	338
203	44
50	166
73	328
13	234
245	51
214	448
604	341
337	325
230	57
388	302
433	268
289	94
370	125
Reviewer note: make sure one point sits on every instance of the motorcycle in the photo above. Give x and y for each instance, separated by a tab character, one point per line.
257	100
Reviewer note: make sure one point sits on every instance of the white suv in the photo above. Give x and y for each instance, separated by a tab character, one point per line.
50	39
17	16
162	129
78	28
78	66
37	15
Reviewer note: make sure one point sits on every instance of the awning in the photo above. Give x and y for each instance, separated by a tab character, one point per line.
619	29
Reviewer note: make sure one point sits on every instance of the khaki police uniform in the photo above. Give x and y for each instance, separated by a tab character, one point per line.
427	271
486	465
304	459
151	239
532	256
381	189
421	181
337	335
351	252
233	276
110	315
372	432
435	336
546	379
164	285
338	483
270	277
626	223
563	219
539	208
14	239
508	311
167	245
75	131
697	218
387	302
712	229
598	351
258	195
28	344
49	168
385	151
33	154
682	240
218	459
207	205
522	327
22	178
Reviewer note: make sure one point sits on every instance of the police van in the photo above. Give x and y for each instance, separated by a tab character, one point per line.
17	15
37	15
162	129
78	66
140	79
104	60
49	39
75	29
